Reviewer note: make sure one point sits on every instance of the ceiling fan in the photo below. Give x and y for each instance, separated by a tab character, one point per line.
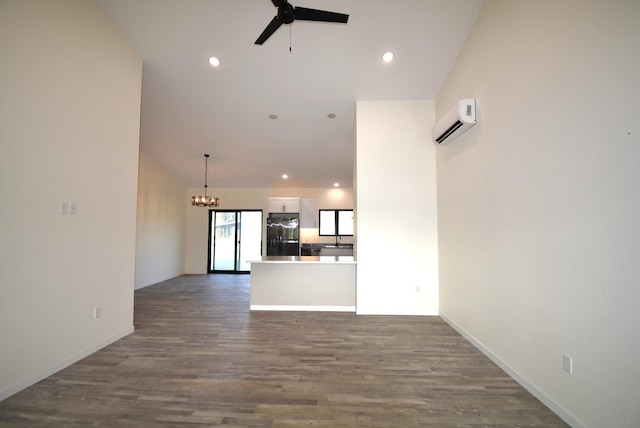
288	13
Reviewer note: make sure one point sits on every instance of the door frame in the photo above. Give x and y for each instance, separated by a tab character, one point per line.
211	243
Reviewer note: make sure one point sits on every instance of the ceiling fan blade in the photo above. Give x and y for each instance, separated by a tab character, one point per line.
278	3
304	14
271	28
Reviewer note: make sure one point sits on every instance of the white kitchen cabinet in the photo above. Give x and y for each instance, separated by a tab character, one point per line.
284	205
309	214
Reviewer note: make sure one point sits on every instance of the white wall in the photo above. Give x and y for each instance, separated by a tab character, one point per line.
197	227
160	228
69	128
397	242
539	205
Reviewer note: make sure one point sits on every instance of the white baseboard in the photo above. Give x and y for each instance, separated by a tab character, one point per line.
562	413
302	308
153	282
8	392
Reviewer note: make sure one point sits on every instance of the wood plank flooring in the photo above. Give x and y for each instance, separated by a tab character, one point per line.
199	357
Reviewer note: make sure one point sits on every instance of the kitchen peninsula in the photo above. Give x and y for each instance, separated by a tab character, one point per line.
305	283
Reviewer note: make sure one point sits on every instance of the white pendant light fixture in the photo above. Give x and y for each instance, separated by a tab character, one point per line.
205	201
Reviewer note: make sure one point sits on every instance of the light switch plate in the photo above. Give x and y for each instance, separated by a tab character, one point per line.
567	364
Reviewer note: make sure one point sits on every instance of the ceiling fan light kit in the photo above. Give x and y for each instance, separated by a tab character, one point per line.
287	13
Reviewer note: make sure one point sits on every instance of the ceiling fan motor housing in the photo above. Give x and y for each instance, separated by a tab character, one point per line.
286	13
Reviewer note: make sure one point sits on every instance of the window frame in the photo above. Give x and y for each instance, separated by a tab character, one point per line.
336	222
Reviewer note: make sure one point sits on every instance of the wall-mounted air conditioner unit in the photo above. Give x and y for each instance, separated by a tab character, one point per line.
458	119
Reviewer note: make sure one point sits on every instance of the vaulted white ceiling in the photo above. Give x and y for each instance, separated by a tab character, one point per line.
190	108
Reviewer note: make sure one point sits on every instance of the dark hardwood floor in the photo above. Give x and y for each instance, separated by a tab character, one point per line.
198	356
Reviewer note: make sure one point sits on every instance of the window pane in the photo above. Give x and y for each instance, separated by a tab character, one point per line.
225	241
250	238
327	222
345	222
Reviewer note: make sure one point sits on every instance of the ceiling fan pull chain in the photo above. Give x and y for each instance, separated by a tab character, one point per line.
290	30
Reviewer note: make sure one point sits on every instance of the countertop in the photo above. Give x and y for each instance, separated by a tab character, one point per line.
306	259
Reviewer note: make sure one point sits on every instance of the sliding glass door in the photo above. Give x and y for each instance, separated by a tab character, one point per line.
235	237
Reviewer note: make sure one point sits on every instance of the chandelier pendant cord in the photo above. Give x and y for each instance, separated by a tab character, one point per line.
205	201
206	169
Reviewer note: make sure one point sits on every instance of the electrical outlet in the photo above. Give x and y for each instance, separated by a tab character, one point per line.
97	312
64	207
73	208
417	289
567	364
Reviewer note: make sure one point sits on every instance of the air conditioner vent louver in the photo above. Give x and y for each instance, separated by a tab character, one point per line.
457	120
449	131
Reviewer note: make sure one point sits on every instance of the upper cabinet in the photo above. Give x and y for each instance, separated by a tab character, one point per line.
309	214
284	205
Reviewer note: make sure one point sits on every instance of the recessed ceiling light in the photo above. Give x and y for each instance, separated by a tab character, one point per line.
387	56
336	184
331	115
214	61
285	176
273	116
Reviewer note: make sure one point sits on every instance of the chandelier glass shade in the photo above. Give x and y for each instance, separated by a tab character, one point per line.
205	201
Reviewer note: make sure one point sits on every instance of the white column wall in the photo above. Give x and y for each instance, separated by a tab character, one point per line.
397	242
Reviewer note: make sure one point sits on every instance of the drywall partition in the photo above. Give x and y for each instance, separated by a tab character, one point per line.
160	225
397	243
538	204
69	130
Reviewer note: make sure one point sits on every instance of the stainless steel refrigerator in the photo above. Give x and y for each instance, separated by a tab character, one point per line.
283	231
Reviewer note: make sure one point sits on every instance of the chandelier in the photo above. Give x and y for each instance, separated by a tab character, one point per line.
205	201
